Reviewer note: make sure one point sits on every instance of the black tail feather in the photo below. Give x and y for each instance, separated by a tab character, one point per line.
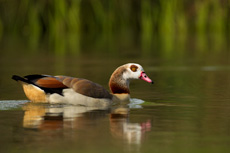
18	78
35	76
26	79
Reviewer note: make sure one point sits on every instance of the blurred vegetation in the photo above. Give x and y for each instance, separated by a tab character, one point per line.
69	26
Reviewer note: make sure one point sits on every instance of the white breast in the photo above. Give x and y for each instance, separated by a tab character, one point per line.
121	97
74	98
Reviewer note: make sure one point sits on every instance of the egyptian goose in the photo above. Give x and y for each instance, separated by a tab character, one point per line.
70	90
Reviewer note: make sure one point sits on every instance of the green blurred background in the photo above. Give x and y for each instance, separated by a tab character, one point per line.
160	28
183	46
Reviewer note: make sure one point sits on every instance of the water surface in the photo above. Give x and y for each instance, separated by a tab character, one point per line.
186	110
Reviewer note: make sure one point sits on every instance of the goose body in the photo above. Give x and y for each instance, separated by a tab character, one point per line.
70	90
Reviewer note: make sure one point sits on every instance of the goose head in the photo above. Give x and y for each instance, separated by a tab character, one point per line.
121	77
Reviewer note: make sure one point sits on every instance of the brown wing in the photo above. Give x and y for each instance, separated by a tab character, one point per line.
55	84
43	81
85	87
49	82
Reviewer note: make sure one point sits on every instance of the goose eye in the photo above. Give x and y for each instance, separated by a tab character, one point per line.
133	68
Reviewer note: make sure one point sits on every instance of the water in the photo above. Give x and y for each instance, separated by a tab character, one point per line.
183	47
186	110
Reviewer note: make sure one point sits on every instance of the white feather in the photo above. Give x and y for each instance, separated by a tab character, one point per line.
74	98
129	74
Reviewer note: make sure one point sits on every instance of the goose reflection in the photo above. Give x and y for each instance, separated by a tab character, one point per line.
60	117
121	127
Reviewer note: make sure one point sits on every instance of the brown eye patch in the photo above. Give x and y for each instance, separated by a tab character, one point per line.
133	68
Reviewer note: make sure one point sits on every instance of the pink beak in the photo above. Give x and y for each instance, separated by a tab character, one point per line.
144	77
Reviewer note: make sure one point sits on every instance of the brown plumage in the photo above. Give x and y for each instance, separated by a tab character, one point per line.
53	84
85	87
58	89
49	82
122	87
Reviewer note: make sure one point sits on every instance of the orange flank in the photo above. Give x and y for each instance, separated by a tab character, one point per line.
33	93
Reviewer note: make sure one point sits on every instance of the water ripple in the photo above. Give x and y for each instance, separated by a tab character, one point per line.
11	104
